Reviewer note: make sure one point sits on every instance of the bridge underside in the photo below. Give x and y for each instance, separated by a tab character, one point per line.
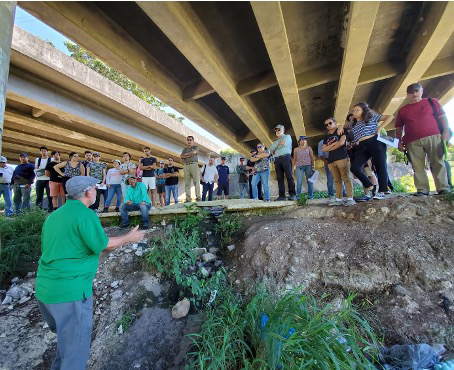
239	68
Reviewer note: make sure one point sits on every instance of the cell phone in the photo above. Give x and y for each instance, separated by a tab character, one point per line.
1	174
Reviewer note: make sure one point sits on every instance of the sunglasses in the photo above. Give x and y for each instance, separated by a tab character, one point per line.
259	147
327	124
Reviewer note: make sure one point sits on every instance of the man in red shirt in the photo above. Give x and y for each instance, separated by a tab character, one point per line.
422	136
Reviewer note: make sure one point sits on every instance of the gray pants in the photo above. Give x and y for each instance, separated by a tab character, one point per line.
72	322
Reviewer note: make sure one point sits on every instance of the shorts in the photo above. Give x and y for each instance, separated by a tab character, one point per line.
149	182
161	188
223	186
56	189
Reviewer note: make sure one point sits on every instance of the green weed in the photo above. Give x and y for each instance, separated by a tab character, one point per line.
227	225
302	200
20	242
126	320
300	334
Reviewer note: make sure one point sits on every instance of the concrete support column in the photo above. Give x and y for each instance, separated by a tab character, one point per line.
7	10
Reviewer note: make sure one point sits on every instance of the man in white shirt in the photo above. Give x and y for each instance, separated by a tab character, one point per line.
6	173
208	175
42	181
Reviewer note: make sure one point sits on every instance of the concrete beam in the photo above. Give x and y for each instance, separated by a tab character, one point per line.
436	30
83	23
378	71
249	136
443	89
36	112
361	18
257	83
438	68
197	90
49	131
270	20
7	11
182	26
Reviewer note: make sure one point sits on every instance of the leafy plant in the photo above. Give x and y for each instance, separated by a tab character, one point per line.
302	200
20	242
126	320
293	331
227	225
449	196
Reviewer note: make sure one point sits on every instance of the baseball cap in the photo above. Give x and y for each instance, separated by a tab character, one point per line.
78	184
117	160
162	161
413	87
3	159
279	127
241	158
130	177
223	158
302	137
23	155
96	154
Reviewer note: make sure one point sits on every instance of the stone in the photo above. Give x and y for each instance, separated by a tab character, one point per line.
134	246
24	299
370	211
114	284
163	223
214	250
117	294
218	263
128	250
292	269
312	244
139	253
205	272
208	232
307	238
340	255
401	290
199	251
30	274
15	280
7	300
120	330
294	260
231	247
208	257
181	309
422	212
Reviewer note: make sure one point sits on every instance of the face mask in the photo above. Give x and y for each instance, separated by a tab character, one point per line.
93	199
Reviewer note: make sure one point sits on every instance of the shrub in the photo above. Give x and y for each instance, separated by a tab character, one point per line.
302	200
20	242
227	225
297	332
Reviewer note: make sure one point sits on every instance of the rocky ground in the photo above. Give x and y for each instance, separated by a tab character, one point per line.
397	254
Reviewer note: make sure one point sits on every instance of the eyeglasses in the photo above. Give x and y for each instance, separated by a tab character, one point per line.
327	124
259	147
357	110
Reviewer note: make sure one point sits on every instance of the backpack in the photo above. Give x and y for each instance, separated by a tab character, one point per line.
440	126
203	174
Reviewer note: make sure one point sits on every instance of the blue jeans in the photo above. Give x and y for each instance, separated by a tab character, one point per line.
5	190
329	181
263	176
114	189
143	208
306	170
174	190
207	188
21	198
244	189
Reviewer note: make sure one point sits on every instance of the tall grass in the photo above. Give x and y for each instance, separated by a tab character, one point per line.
21	242
300	334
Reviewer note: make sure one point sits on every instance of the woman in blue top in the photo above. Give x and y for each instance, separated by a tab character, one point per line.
365	130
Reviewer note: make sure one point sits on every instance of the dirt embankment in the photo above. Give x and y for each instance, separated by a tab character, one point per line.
397	254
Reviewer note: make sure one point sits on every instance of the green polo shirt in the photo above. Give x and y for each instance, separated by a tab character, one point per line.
137	194
72	239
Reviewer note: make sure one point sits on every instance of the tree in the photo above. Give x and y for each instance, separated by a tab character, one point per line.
174	116
84	57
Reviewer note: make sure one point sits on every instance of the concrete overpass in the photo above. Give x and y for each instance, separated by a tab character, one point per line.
239	68
54	100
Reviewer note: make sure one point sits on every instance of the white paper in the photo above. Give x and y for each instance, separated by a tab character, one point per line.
388	140
314	177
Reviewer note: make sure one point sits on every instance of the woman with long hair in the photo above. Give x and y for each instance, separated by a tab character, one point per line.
365	129
70	168
303	164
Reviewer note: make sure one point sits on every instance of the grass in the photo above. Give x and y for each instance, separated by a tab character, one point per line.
21	242
301	333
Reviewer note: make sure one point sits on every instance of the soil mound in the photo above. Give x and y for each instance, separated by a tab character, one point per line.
398	254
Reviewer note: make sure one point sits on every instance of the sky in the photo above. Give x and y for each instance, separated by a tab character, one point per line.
34	26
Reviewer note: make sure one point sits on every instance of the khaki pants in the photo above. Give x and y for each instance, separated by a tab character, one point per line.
341	172
433	147
191	171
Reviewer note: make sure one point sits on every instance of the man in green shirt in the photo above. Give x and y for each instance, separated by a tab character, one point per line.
135	199
72	240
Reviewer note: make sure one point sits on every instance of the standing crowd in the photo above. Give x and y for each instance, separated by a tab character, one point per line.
354	148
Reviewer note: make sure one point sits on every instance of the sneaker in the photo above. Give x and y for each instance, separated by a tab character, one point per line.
152	207
267	201
349	202
364	198
336	202
293	197
117	209
388	192
443	192
379	196
420	194
280	199
144	227
122	226
105	210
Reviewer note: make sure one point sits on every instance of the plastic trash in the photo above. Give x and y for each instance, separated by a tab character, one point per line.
412	356
314	177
